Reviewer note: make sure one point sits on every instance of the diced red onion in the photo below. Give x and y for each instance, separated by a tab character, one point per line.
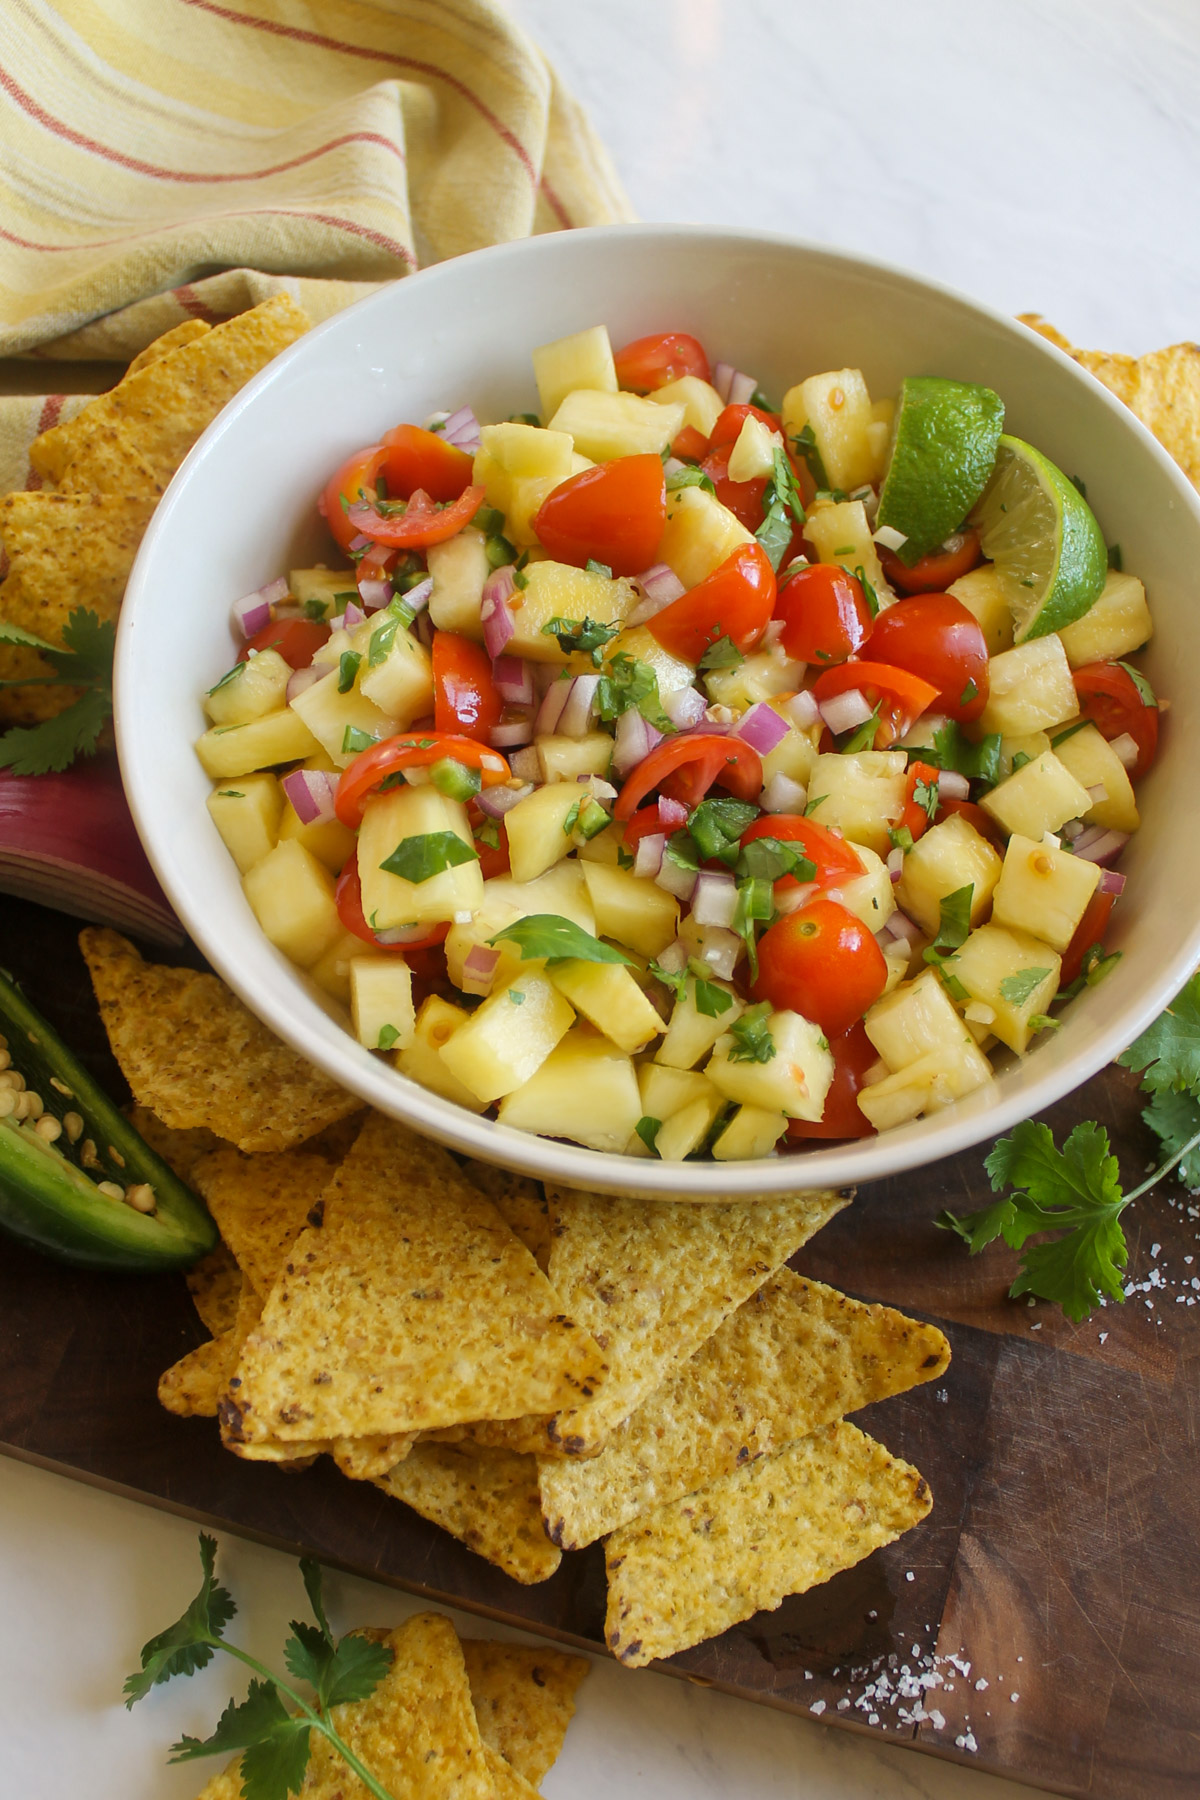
715	899
377	561
479	969
742	388
1112	882
723	373
802	710
672	465
890	538
526	765
901	926
672	814
418	598
495	611
353	615
422	628
660	587
843	712
374	594
253	611
576	716
762	728
649	854
554	704
311	793
895	863
544	677
783	795
674	958
717	722
462	430
952	785
301	679
1125	749
598	788
514	680
676	880
719	950
634	739
510	733
772	634
360	542
435	421
791	899
684	707
1071	830
1097	792
496	801
1096	845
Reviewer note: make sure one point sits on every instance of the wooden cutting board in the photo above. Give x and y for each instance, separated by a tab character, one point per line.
1061	1561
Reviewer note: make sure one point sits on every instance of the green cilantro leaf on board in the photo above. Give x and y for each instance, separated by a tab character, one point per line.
546	935
84	660
420	858
1019	988
1168	1053
1174	1118
751	1034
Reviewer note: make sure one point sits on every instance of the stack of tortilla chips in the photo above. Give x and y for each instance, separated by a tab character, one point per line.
533	1371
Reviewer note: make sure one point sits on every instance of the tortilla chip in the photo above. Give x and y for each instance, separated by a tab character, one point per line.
133	438
487	1499
215	1284
1045	329
507	1783
652	1283
521	1204
370	1458
412	1307
524	1700
29	705
416	1733
193	1386
261	1204
795	1356
779	1526
180	1150
194	1055
184	333
67	551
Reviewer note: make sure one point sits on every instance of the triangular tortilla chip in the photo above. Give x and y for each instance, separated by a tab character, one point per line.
261	1204
193	1386
180	1150
412	1307
795	1356
507	1783
652	1282
779	1526
521	1204
67	551
416	1733
194	1055
487	1499
215	1284
524	1700
186	332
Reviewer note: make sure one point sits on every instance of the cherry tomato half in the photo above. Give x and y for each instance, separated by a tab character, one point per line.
821	962
360	780
933	573
825	614
735	601
901	697
348	484
728	428
296	640
348	900
934	636
464	693
1109	697
1090	930
422	522
689	444
650	362
614	513
684	768
835	859
744	499
853	1054
415	458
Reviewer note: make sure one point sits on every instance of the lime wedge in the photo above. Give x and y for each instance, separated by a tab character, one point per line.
1041	534
943	448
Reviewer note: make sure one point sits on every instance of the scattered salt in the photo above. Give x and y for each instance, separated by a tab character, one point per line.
1014	1698
980	1685
817	1707
909	1576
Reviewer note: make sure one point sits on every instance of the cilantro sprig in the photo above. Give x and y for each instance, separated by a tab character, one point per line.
783	511
274	1740
84	661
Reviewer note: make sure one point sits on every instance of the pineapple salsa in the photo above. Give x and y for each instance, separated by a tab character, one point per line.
685	775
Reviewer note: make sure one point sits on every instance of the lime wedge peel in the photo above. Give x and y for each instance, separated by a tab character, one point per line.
1042	535
943	451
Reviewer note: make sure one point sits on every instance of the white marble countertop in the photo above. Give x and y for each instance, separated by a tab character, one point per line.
1039	154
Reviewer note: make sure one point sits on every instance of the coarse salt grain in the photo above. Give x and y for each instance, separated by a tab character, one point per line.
817	1707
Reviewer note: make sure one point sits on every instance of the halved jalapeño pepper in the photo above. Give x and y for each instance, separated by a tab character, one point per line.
76	1179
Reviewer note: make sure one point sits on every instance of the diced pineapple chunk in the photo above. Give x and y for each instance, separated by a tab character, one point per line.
869	896
666	1091
560	890
753	455
459	568
605	426
250	689
583	360
519	450
331	971
752	1132
381	1002
761	676
421	1060
861	794
330	715
1013	975
400	683
555	590
929	1085
585	1090
1043	890
330	842
700	534
1029	688
605	847
566	758
323	593
634	911
949	856
988	595
539	829
525	498
247	817
1029	744
840	533
1095	764
291	894
838	408
279	737
608	995
1041	796
914	1021
794	755
1117	623
898	955
701	403
879	436
391	900
638	641
796	1079
510	1037
691	1033
685	1131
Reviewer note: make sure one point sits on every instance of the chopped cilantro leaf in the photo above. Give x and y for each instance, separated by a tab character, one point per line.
811	806
598	568
925	795
863	736
348	666
230	676
1019	988
900	838
1115	559
571	820
586	635
517	998
717	826
354	740
690	477
722	653
557	939
751	1034
387	1037
629	682
1020	758
1146	693
755	905
420	858
969	693
648	1130
806	450
955	925
710	999
768	858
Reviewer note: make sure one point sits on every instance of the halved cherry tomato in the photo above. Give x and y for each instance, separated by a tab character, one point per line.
933	573
835	859
614	513
825	613
422	522
983	822
360	780
915	816
735	601
296	640
1090	930
685	767
355	478
901	697
821	962
1108	696
689	444
642	824
728	427
935	636
650	362
744	499
348	900
853	1054
493	858
464	693
415	458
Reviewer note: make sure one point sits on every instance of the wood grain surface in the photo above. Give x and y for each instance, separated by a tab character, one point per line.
1061	1561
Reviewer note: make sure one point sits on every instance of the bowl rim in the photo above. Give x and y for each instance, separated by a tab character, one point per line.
955	1130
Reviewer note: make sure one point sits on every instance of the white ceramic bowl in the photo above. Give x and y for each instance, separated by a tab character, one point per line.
241	510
